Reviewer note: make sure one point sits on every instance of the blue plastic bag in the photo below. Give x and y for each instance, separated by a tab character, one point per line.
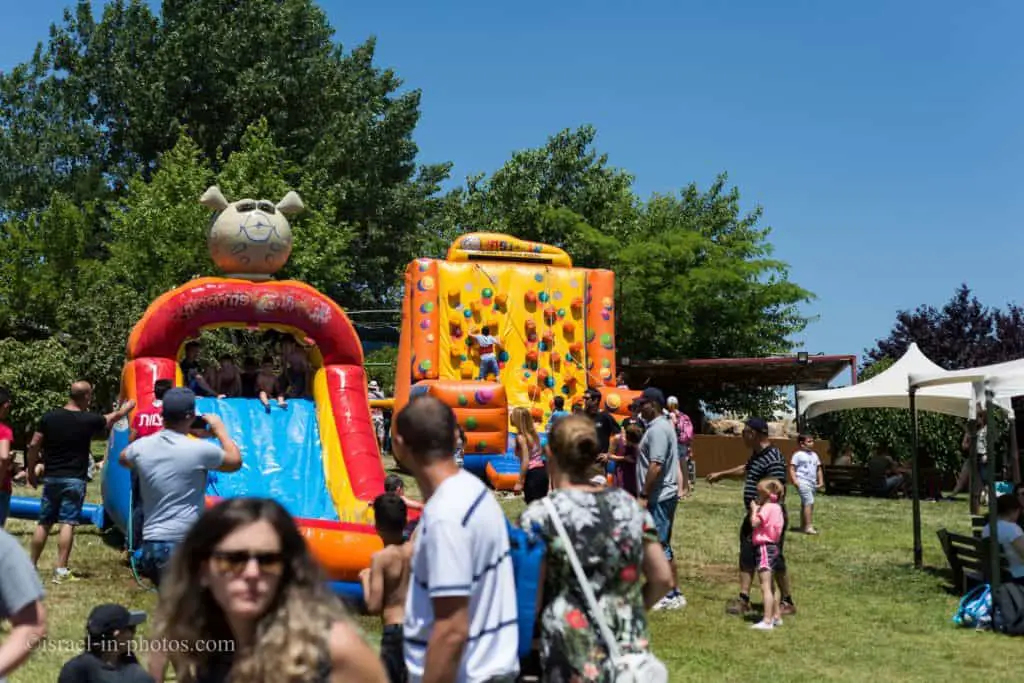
975	610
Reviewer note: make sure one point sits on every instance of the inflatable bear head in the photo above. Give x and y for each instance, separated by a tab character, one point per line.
250	238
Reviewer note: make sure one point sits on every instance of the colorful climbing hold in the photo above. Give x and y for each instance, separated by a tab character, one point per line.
606	341
569	327
606	302
468	313
487	293
606	315
483	396
463	401
481	446
612	401
539	277
543	346
531	297
561	312
430	338
425	324
471	423
606	373
426	284
606	362
543	297
501	300
550	382
557	296
503	356
424	266
590	335
556	358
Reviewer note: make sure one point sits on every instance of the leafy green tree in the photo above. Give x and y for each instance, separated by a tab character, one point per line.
380	365
38	374
101	101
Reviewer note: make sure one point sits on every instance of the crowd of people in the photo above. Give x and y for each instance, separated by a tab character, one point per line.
239	573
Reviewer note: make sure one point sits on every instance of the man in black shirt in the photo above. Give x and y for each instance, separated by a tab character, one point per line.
109	639
608	429
65	438
766	462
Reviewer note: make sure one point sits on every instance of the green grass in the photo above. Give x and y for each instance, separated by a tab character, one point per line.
864	612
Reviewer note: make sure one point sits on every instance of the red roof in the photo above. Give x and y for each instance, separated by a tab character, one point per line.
679	375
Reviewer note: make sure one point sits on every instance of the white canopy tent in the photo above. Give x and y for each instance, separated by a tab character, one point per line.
927	381
891	389
995	384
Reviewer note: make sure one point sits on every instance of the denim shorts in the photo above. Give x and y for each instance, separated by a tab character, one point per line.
155	559
664	514
806	491
62	500
489	366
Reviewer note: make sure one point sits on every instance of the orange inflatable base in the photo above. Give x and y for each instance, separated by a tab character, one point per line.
341	549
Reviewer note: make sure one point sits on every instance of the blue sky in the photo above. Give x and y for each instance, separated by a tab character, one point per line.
882	139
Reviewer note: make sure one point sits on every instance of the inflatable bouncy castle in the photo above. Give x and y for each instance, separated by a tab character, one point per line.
317	456
502	323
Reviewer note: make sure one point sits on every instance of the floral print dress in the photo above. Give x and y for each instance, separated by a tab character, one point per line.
608	530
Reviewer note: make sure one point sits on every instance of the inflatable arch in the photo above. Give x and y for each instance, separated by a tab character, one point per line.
320	459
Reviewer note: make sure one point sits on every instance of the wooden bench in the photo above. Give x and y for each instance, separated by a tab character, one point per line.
978	523
852	480
968	559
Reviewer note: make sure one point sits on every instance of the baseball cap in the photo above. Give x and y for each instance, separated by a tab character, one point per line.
757	424
673	401
652	394
109	617
179	402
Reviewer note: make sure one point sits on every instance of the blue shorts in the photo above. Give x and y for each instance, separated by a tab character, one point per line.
155	559
664	514
5	507
489	366
62	501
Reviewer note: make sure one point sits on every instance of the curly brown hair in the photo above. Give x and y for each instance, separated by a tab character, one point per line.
291	638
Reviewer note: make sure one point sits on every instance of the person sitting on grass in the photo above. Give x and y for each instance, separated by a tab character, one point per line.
109	649
805	474
1011	537
887	477
767	522
386	581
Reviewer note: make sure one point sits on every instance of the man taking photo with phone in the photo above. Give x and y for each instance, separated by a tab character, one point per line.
172	469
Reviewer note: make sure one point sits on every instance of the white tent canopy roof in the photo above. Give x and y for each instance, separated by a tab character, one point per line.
891	389
973	377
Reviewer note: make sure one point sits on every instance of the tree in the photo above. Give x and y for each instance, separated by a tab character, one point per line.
38	374
103	100
695	276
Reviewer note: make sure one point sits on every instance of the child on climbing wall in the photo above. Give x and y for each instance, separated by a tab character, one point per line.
488	353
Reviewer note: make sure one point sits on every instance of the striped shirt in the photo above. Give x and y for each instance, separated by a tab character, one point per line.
763	464
462	550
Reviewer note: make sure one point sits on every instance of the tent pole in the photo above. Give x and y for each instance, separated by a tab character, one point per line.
993	515
1014	455
796	409
972	457
915	481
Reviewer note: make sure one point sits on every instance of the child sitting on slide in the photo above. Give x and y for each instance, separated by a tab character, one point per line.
267	384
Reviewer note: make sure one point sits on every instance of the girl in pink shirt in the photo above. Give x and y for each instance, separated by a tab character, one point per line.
767	522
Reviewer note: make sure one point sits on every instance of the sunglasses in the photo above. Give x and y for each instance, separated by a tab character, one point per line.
235	561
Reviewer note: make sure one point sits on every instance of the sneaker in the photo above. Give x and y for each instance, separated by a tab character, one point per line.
776	622
673	600
738	606
64	576
763	626
812	531
787	608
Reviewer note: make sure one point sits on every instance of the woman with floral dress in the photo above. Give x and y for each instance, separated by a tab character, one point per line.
617	545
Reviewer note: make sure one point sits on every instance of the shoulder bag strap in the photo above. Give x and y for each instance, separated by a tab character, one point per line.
581	578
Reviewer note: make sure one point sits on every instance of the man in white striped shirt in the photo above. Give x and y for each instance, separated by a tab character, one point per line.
460	615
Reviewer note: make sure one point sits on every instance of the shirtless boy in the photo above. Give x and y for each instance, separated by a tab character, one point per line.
296	369
226	380
267	384
386	582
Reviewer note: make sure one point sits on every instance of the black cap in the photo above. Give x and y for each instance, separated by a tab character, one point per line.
108	618
179	403
757	424
592	393
652	394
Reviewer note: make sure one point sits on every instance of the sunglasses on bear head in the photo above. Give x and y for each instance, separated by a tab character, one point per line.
235	561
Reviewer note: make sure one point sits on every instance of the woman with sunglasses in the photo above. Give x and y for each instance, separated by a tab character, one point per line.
245	601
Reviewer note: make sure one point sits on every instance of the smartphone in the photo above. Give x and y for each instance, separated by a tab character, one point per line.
200	422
